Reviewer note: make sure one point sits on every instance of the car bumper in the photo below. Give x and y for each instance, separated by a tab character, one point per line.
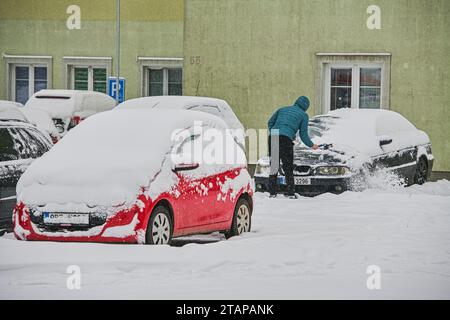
317	186
123	227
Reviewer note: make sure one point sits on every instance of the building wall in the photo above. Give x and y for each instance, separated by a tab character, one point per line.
150	28
261	54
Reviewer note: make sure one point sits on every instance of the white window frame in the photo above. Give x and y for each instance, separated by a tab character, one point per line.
355	81
154	63
13	61
91	63
355	61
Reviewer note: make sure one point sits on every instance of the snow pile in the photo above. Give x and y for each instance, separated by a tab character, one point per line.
107	158
381	179
310	248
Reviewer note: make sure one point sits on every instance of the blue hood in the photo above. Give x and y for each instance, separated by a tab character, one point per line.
302	102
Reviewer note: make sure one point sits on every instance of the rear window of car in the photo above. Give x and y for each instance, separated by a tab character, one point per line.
7	150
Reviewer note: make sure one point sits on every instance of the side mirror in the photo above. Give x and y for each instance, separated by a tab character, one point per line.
384	140
185	167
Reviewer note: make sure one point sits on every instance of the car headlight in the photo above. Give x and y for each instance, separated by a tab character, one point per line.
262	170
332	170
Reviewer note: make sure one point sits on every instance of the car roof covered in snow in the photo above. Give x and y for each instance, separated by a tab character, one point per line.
10	110
360	130
66	103
108	157
186	103
170	102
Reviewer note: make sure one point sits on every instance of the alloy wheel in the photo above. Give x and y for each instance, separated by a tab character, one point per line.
161	229
243	219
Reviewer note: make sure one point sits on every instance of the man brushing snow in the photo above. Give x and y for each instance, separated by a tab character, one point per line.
283	127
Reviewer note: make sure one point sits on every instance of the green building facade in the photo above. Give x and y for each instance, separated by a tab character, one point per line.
41	36
256	54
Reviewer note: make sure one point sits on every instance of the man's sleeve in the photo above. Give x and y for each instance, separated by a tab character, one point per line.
304	132
272	120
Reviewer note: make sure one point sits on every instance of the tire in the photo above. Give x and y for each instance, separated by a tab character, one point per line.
421	174
242	219
159	227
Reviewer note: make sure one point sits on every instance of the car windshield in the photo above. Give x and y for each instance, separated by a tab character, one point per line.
318	125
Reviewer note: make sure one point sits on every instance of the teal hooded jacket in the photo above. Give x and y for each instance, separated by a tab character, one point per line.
286	121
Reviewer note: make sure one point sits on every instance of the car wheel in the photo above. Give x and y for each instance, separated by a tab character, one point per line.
421	172
242	219
159	228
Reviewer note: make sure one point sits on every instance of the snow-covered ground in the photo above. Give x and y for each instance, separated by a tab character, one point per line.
307	248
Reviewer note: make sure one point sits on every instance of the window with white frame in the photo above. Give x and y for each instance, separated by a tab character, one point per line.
165	82
353	81
87	73
161	76
27	75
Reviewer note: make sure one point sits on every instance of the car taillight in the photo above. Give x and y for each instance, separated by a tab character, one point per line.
74	121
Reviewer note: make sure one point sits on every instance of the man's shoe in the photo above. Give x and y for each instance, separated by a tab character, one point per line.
273	195
293	196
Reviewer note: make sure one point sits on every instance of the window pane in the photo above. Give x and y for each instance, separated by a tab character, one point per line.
81	79
175	75
40	78
22	91
341	77
156	89
340	98
156	75
99	74
40	73
175	82
22	84
7	151
22	73
370	77
175	89
369	98
40	85
100	80
156	82
100	86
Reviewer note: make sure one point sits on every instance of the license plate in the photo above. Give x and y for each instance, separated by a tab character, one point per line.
302	181
66	218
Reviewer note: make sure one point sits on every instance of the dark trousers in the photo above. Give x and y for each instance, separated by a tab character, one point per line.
281	148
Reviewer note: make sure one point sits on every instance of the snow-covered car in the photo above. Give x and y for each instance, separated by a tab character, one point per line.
129	175
212	106
67	108
11	110
363	143
20	144
42	120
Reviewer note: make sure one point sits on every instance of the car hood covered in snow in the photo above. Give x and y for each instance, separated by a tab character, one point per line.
106	159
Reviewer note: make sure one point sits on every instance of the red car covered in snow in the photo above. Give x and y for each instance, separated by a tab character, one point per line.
137	176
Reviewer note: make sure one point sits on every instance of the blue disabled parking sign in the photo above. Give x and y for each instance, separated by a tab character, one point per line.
112	88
